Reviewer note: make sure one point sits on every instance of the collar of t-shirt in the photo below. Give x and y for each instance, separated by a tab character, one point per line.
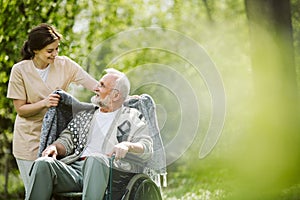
43	72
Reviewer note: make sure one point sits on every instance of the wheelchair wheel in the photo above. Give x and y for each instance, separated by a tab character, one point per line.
142	187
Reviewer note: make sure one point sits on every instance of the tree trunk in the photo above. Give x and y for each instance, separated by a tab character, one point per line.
271	39
269	159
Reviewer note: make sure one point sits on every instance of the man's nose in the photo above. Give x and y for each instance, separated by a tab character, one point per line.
95	89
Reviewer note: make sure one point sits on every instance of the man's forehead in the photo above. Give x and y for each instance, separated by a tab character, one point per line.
107	78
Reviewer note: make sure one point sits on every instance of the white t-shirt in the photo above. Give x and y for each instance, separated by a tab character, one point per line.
102	123
43	73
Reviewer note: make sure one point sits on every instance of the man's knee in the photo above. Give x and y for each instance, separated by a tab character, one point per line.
96	164
42	164
97	160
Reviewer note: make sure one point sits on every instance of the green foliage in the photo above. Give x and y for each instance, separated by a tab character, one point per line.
15	189
89	28
16	19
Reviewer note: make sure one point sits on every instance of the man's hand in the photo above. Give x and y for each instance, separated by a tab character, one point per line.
120	150
50	151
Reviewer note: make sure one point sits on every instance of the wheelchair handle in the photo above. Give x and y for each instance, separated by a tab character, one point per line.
111	162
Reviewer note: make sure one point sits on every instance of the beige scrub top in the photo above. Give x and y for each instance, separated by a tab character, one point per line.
26	84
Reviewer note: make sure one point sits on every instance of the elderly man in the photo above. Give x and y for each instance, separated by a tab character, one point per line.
78	160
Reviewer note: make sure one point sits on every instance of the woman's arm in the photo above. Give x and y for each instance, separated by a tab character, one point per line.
27	110
86	80
80	76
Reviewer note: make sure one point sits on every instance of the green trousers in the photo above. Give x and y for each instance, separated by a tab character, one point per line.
48	176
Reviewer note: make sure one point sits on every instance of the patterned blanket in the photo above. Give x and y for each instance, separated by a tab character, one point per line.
57	118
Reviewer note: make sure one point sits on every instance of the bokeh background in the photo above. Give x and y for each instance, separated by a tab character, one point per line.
224	75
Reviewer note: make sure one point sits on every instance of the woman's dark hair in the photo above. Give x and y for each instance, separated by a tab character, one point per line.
38	38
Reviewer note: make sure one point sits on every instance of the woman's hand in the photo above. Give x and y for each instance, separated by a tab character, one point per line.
51	100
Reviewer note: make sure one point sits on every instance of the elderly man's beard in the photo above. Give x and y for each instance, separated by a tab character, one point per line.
101	102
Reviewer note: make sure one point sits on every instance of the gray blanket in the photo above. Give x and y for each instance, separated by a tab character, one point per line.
57	118
145	104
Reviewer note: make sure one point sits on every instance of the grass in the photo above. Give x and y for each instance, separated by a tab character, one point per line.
15	188
207	179
184	182
201	180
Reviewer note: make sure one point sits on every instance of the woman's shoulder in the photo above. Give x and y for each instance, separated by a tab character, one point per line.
65	61
62	59
23	65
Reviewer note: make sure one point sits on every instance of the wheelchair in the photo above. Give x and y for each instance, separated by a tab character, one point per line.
122	186
133	186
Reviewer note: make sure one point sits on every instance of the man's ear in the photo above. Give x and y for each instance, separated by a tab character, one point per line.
116	95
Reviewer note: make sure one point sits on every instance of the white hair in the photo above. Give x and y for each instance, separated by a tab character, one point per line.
122	83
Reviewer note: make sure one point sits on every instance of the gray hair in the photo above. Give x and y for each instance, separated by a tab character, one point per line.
122	83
